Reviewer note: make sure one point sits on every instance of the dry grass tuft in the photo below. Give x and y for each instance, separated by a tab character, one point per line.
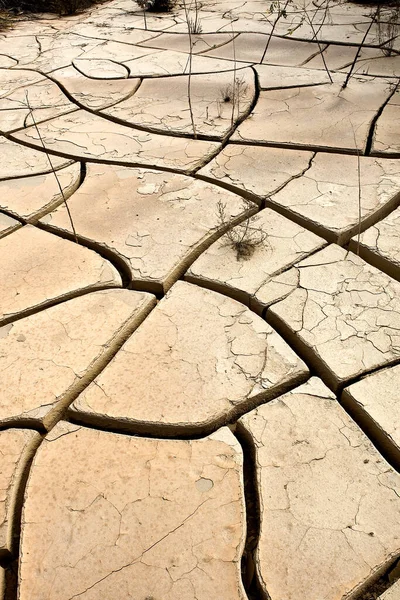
61	7
245	237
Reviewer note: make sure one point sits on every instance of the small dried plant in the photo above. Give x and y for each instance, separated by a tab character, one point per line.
195	26
5	19
233	93
156	5
245	237
68	7
62	7
194	23
388	21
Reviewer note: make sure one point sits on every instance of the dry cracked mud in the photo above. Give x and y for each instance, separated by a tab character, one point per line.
200	303
199	360
99	503
329	512
155	221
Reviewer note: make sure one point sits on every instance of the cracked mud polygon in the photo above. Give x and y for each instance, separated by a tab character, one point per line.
200	303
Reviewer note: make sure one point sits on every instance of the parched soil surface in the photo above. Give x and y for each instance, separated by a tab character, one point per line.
200	303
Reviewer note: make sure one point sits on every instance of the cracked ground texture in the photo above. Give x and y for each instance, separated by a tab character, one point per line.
200	304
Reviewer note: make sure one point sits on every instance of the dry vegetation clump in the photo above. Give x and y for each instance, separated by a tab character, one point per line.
5	19
61	7
245	237
388	21
156	5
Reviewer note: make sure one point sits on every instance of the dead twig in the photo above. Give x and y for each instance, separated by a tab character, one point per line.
189	87
315	36
281	13
52	168
359	190
360	47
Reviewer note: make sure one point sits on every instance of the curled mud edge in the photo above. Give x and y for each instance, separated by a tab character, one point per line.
250	576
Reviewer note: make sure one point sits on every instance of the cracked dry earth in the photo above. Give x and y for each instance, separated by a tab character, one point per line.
180	419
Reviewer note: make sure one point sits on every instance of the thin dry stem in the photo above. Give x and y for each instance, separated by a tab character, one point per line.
315	36
52	169
359	50
359	191
190	69
234	77
281	13
234	92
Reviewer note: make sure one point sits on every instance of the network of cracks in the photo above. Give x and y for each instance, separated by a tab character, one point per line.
200	305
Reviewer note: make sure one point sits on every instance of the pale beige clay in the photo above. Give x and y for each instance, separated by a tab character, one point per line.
255	170
108	515
343	313
182	42
103	60
299	115
326	198
7	224
278	244
330	506
380	244
157	222
101	68
95	94
88	136
218	101
59	51
24	49
387	136
274	76
10	80
45	99
250	47
211	22
38	267
16	448
371	61
2	582
199	359
336	58
169	62
47	358
352	28
374	401
393	593
5	63
132	34
31	197
19	161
